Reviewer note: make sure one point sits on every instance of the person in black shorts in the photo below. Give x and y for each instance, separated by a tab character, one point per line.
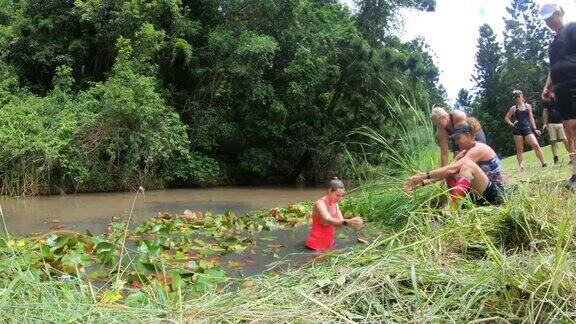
477	169
552	120
523	125
561	82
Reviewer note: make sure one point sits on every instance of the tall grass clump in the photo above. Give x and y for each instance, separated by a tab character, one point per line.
387	160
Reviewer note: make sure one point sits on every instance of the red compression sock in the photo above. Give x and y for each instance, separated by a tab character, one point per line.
460	189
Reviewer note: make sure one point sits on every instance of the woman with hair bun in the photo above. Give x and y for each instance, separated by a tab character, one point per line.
326	216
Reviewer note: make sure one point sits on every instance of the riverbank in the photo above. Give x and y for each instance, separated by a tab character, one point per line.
510	263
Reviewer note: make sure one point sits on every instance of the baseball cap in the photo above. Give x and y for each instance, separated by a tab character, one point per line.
459	129
547	10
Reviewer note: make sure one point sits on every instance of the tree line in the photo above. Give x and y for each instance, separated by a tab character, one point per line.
519	62
99	95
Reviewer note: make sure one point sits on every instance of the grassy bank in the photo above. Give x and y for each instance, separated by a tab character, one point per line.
511	263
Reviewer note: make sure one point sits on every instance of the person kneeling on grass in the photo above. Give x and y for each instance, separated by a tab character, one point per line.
326	216
476	168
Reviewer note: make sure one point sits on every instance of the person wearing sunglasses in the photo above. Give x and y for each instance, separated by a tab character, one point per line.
477	170
522	128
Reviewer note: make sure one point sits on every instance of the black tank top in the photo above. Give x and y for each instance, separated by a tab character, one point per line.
522	118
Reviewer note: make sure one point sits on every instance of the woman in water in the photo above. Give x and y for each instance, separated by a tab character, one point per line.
476	168
326	216
523	125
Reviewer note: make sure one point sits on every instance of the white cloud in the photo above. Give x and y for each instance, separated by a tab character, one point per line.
452	33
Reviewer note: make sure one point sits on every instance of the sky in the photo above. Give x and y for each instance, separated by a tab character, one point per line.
452	33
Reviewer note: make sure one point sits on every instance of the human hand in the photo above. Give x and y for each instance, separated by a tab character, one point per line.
538	133
460	155
547	95
356	222
545	126
413	181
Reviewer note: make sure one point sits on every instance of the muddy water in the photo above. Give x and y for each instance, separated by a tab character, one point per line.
93	211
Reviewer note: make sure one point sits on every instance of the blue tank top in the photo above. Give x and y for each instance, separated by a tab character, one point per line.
493	169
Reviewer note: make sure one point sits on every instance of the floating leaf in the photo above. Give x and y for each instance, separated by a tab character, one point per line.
180	256
106	252
216	275
75	259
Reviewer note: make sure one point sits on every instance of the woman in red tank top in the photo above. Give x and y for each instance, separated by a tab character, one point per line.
326	216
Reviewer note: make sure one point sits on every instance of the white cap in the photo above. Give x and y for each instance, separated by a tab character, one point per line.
547	10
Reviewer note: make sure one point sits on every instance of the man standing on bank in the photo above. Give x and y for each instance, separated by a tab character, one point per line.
561	83
553	122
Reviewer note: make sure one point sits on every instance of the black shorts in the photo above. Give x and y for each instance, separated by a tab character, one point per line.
566	100
522	132
493	195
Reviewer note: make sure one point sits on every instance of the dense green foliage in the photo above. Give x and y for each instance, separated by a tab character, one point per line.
117	94
519	63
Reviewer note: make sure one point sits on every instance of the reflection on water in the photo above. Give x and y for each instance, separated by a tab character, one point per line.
93	211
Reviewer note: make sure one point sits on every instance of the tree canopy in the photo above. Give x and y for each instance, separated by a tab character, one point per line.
199	91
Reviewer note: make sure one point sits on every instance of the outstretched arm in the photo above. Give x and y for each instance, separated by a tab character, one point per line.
422	179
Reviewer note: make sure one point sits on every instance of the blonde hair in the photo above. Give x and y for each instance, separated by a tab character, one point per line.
474	124
437	112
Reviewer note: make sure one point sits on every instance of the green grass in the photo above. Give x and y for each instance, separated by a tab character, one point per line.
533	172
507	264
513	263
